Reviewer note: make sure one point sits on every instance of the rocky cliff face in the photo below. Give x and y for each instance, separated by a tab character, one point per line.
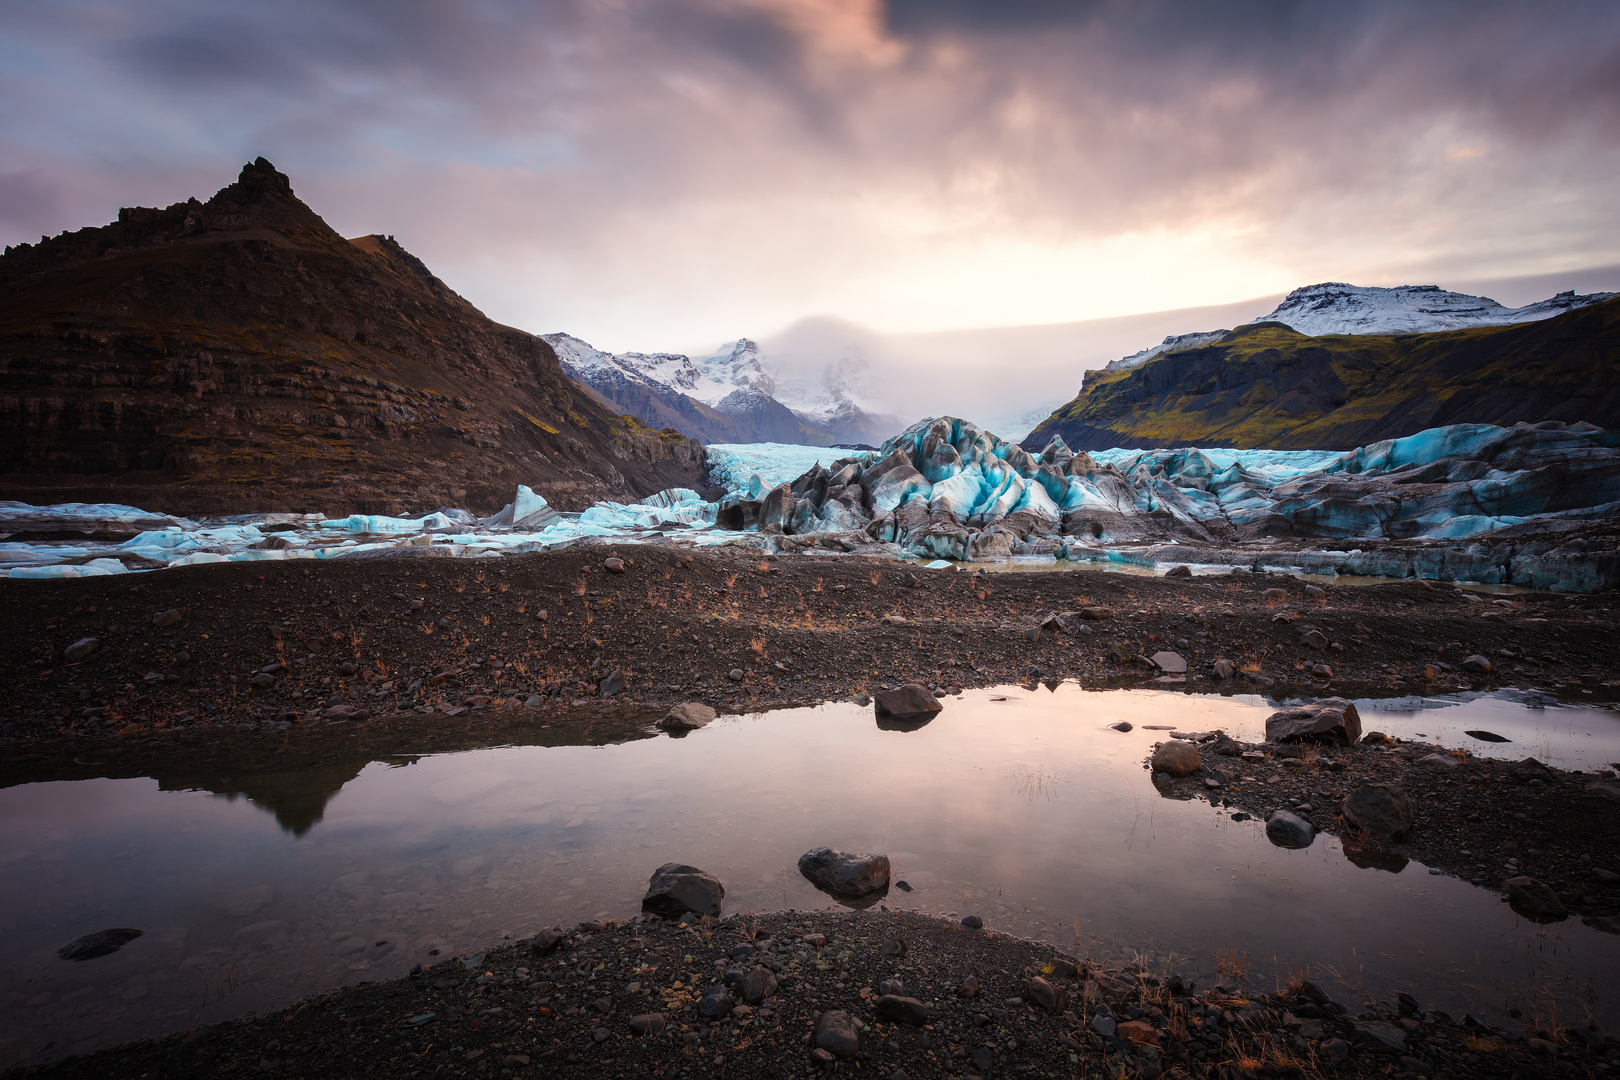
1267	385
240	355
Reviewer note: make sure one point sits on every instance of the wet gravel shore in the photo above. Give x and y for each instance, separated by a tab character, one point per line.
873	993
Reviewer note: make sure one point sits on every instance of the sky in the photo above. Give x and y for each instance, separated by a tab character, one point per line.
668	174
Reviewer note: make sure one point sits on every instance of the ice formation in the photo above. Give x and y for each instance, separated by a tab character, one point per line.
1529	505
1334	307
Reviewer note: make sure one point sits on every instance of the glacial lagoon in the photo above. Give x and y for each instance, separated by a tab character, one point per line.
1019	805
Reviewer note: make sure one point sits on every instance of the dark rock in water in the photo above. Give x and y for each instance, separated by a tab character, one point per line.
1329	720
1535	900
910	703
844	874
1241	816
1289	830
902	1010
1179	571
1487	736
100	943
838	1033
902	886
1123	725
1383	810
675	889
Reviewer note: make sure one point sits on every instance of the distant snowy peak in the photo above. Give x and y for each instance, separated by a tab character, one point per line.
1337	308
1334	307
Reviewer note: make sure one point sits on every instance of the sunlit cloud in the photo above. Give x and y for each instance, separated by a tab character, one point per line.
659	174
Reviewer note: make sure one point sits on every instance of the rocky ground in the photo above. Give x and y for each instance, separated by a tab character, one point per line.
607	1000
211	655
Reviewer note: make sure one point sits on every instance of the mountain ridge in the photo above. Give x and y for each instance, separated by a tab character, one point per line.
1268	385
239	353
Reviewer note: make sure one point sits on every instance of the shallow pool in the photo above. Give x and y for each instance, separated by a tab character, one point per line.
1021	806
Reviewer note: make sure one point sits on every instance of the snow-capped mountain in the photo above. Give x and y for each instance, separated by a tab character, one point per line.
1337	308
736	394
1334	307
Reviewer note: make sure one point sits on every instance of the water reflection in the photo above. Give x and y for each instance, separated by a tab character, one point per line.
1024	807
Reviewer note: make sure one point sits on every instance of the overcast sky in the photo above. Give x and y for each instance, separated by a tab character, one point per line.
670	173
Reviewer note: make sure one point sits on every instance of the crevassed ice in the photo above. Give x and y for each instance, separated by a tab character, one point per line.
734	465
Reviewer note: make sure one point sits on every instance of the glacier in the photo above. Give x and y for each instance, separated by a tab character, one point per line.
1531	505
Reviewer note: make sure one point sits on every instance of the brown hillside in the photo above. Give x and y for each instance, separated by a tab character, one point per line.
239	355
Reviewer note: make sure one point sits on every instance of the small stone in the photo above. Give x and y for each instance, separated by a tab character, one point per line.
973	922
613	684
1104	1026
968	988
262	681
347	668
1137	1033
1476	664
1044	995
1123	725
1224	669
822	1058
1313	639
1438	761
891	986
1170	663
546	940
735	674
1487	736
515	1061
1322	671
81	649
1179	571
166	618
1315	592
758	985
838	1033
1176	758
613	566
896	1009
716	1004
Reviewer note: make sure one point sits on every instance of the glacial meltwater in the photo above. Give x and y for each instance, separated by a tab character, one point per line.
1018	805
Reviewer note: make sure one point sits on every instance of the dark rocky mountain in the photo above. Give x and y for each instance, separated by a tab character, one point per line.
239	355
1267	385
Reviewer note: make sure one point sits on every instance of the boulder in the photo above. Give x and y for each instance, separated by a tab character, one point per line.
911	703
1137	1033
1329	720
1179	571
1224	669
675	889
1476	665
1535	900
1289	830
647	1023
1383	810
686	716
845	874
838	1033
1176	758
716	1003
